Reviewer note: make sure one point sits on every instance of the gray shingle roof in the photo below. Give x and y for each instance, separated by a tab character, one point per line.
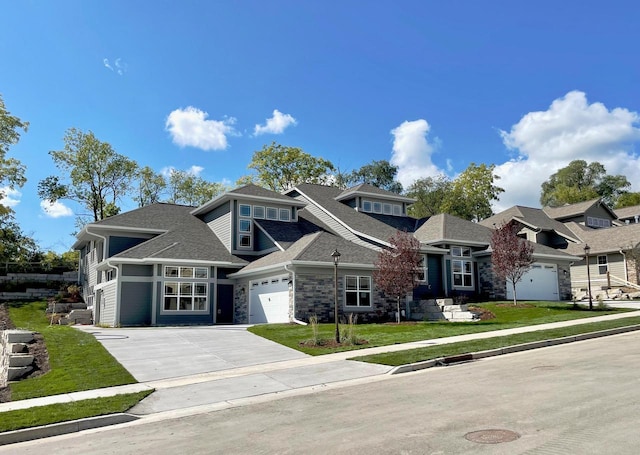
288	233
316	247
258	191
444	228
570	210
603	241
536	218
628	212
325	196
368	189
186	237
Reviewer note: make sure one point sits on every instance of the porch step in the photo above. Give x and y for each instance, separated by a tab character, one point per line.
78	317
445	310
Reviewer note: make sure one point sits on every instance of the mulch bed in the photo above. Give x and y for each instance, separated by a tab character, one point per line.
38	349
511	305
328	343
483	314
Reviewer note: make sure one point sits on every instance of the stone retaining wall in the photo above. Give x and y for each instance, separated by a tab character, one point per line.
15	360
69	277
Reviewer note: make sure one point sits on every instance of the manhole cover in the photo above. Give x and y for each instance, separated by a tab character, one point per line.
491	436
545	367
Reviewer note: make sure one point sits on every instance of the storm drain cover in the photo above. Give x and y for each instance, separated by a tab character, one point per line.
491	436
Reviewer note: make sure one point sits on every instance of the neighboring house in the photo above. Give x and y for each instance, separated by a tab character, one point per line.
253	256
628	215
610	235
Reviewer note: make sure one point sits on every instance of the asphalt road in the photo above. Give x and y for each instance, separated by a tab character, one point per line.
581	398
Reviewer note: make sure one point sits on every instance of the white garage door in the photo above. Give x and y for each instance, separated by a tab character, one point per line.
269	300
539	283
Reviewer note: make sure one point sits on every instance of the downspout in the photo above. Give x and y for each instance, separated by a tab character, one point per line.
293	290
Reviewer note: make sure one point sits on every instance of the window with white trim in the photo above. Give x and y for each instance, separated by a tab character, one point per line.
244	225
461	269
377	207
366	206
397	209
183	295
245	210
258	212
285	215
357	291
603	264
598	222
386	209
423	270
272	213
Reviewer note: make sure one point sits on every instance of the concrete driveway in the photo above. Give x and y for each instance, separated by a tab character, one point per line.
157	353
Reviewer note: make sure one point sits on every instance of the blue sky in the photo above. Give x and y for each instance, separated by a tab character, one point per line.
431	86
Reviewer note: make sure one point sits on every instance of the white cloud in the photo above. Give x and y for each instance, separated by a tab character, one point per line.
190	127
412	152
194	170
568	130
55	209
9	197
276	124
119	66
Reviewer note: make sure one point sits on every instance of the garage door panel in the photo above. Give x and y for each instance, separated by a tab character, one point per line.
539	283
269	301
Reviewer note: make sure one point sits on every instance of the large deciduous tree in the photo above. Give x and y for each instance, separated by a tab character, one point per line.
380	173
93	175
580	181
189	189
511	256
472	193
150	187
280	167
11	170
397	267
430	194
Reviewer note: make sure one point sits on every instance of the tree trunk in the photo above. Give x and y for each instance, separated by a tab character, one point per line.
515	297
398	310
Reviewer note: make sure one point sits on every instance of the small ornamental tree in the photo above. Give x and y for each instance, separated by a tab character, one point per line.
396	267
511	256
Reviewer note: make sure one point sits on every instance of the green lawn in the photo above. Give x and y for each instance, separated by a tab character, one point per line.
77	360
507	316
466	347
61	412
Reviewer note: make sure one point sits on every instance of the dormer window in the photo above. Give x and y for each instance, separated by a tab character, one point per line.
272	213
377	207
366	206
245	210
386	209
258	212
285	215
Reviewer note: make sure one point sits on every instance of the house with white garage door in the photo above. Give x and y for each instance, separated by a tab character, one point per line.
252	255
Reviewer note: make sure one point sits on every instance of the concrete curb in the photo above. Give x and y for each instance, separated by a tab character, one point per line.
28	434
509	349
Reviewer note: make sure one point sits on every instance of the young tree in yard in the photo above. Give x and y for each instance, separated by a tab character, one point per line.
396	267
280	167
97	177
511	256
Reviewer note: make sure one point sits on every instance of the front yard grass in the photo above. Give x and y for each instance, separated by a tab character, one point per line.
467	347
507	316
62	412
77	360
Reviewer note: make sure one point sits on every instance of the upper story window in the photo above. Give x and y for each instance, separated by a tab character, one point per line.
366	206
245	210
598	222
272	213
258	212
385	208
186	272
377	207
285	215
244	225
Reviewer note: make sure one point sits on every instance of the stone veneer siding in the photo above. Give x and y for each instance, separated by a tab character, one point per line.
241	302
314	296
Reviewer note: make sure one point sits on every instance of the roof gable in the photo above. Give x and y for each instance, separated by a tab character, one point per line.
445	228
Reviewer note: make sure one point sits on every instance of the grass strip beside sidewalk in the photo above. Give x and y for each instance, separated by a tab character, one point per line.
467	347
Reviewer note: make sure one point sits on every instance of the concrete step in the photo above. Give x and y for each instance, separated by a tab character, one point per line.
20	360
18	336
16	373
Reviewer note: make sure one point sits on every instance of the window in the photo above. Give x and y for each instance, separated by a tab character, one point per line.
245	241
423	270
245	210
397	209
377	207
272	213
258	212
386	209
366	206
598	222
245	226
461	269
358	291
185	295
186	272
603	265
285	215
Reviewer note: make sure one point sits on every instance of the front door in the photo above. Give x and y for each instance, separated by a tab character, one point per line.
224	307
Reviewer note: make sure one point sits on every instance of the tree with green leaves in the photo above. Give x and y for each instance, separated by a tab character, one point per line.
430	194
15	245
280	167
628	200
93	175
380	173
150	187
580	181
12	171
472	193
189	189
396	269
